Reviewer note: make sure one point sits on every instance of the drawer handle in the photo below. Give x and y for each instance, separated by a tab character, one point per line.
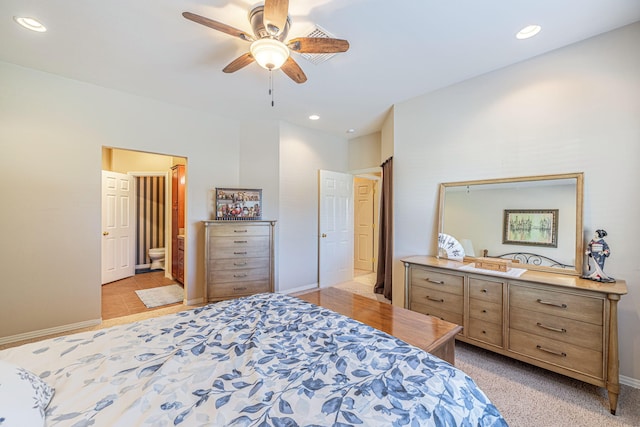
238	264
240	275
240	253
239	241
484	291
484	311
555	304
435	299
240	231
437	282
551	328
241	288
557	353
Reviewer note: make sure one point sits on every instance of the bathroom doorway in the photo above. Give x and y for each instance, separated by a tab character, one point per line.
152	226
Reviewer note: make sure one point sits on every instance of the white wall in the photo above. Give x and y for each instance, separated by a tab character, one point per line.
52	131
571	110
303	152
364	152
259	162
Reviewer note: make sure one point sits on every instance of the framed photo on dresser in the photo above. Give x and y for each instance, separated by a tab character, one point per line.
237	204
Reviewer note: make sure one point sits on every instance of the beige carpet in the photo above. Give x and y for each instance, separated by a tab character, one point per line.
529	396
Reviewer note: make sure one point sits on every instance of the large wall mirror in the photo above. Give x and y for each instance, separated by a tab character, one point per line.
534	220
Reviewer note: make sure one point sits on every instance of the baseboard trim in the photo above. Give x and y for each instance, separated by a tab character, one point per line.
299	289
49	331
631	382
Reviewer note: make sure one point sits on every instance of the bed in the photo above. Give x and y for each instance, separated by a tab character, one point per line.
264	360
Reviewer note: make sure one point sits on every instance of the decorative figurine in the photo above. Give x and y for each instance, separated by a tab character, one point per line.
598	249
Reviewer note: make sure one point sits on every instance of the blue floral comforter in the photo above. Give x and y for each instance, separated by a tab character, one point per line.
264	360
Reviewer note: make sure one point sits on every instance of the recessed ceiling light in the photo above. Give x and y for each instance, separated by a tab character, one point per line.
314	117
528	31
30	23
351	130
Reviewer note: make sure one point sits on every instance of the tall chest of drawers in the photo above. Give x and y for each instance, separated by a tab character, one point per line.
558	322
239	258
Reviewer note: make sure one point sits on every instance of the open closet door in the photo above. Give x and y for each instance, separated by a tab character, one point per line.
335	228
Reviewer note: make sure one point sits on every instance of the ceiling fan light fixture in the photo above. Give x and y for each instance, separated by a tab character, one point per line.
270	54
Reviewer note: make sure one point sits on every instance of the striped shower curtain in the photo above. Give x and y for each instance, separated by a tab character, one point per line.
150	220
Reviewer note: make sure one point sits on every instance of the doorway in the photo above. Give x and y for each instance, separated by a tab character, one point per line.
339	193
152	226
366	213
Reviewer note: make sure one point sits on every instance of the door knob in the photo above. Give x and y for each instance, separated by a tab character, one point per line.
324	234
105	233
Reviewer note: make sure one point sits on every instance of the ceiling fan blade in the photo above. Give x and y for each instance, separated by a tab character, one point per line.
293	70
318	45
217	26
238	63
275	15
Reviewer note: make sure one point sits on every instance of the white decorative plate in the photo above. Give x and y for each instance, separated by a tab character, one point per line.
451	246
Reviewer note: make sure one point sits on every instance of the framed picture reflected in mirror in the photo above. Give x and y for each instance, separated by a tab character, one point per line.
533	227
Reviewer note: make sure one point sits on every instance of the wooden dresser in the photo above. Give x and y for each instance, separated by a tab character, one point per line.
558	322
239	258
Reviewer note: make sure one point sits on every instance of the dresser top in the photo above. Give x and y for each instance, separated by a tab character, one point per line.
243	221
618	287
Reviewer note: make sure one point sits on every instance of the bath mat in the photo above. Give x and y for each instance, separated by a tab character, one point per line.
164	295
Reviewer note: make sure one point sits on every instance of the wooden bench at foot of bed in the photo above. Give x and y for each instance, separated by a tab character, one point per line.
429	333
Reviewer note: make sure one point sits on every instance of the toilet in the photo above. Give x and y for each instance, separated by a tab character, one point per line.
157	258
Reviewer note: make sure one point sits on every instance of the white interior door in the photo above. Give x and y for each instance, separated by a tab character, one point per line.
364	195
118	226
335	262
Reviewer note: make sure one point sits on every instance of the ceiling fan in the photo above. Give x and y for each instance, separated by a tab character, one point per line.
270	23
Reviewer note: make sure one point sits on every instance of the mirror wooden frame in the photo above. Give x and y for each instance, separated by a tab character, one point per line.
579	240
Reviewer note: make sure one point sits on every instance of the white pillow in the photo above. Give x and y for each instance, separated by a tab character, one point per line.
24	396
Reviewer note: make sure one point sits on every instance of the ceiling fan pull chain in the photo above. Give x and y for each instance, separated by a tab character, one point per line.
271	86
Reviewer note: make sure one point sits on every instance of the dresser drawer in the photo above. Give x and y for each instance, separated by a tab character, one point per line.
237	289
435	298
237	263
571	331
575	358
484	331
436	280
438	312
579	307
226	242
217	276
223	247
238	229
485	290
485	311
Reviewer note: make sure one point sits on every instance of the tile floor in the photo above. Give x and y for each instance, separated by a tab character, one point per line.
119	298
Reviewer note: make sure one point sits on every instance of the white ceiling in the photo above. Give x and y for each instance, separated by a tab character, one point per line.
399	49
